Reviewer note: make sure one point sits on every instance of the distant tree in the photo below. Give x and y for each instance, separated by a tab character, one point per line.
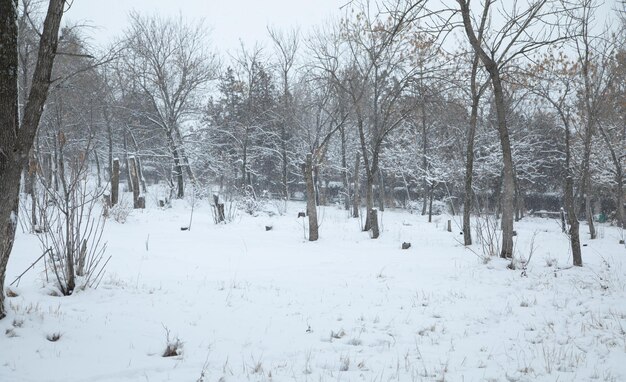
168	60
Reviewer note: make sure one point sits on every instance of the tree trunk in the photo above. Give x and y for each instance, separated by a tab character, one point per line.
430	203
177	174
16	142
32	176
374	231
115	182
570	207
508	188
311	206
344	171
132	163
369	202
356	201
381	191
95	155
469	162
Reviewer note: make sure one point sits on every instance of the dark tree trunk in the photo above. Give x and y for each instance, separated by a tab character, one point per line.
570	207
344	171
16	141
177	175
369	203
95	155
381	191
425	185
356	197
469	161
115	182
311	206
430	203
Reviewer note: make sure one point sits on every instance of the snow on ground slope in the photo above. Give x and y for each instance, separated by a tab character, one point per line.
256	305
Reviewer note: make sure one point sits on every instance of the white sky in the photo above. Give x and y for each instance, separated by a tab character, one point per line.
230	20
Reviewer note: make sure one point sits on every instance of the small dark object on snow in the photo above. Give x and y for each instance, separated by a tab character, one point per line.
406	245
268	227
514	233
621	241
461	233
184	228
584	245
301	214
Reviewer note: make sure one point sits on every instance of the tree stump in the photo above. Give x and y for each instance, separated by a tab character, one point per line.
449	225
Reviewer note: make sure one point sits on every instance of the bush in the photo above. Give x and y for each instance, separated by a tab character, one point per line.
121	211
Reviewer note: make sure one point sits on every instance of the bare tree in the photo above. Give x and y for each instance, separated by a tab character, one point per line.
16	139
286	46
169	62
524	31
594	56
553	80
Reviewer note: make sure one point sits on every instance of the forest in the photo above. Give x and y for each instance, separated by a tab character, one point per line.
482	117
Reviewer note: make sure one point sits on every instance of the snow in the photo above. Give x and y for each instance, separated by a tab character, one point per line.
251	304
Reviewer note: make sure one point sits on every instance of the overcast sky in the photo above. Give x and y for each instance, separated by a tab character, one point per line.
230	20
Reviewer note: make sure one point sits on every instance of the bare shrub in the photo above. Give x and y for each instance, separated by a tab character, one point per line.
121	211
73	227
488	236
250	203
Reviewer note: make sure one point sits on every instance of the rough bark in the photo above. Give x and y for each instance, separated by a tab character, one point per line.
16	141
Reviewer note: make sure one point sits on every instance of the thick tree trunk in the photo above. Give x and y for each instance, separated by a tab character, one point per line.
16	142
311	206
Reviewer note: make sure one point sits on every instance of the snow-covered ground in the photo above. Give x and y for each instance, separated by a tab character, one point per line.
256	305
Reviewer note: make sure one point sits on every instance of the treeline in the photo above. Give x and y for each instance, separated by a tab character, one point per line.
395	104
